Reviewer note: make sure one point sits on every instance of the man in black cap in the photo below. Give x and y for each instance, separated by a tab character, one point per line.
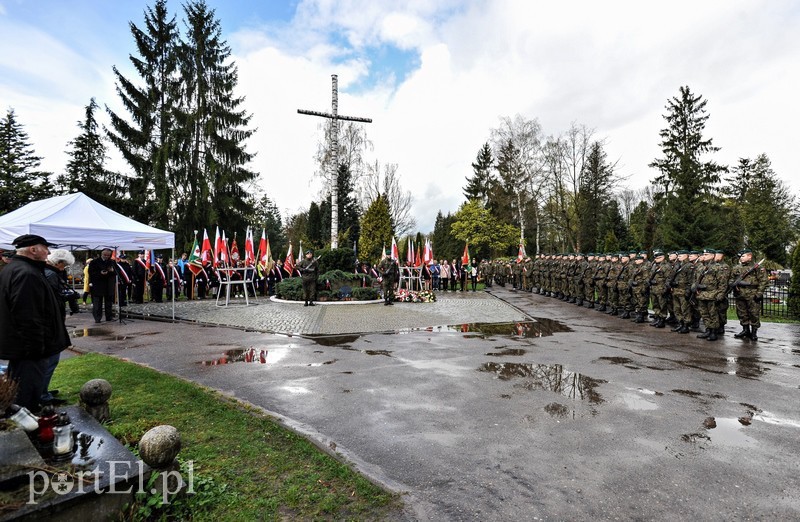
309	270
32	329
5	257
103	283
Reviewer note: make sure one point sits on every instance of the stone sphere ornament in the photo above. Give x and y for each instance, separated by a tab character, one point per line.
159	446
94	399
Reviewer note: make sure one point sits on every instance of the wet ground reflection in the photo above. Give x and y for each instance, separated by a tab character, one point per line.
539	327
548	377
250	355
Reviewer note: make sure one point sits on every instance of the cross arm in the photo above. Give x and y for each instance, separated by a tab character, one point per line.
331	116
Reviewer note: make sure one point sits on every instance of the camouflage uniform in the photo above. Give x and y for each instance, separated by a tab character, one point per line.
681	282
625	304
711	284
638	284
611	284
750	282
659	291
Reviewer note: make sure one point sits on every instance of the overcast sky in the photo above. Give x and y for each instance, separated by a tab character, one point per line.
436	76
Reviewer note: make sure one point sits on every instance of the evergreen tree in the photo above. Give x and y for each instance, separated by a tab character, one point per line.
376	231
86	170
349	227
267	216
210	177
486	236
479	185
147	140
794	284
688	182
20	180
613	224
763	208
445	245
314	230
595	182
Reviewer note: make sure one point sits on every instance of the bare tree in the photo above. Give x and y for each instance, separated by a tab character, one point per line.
522	138
353	143
386	181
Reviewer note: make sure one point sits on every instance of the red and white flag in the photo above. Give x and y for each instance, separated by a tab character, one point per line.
395	251
218	248
234	252
249	254
465	255
428	256
521	253
288	263
206	254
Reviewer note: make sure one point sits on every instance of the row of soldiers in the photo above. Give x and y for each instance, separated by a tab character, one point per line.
684	286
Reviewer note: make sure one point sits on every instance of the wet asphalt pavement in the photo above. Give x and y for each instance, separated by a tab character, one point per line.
572	414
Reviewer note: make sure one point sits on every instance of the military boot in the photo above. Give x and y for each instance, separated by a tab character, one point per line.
678	327
712	336
684	329
671	320
579	302
744	333
661	323
654	321
754	333
602	308
639	318
591	305
705	334
626	315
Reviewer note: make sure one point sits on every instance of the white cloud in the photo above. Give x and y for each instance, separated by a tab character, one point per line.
609	65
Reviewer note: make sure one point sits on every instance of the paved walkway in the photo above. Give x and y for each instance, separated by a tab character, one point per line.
572	416
268	316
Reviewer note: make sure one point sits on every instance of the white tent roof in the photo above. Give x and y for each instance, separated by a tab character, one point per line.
79	222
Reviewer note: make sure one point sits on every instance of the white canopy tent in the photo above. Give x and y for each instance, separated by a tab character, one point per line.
77	222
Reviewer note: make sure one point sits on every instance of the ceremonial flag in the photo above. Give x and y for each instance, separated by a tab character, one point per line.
521	253
147	259
249	255
300	251
288	263
395	252
465	256
234	253
206	253
194	258
383	251
217	248
417	260
428	255
225	255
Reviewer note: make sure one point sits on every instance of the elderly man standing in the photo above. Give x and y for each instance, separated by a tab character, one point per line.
31	322
103	281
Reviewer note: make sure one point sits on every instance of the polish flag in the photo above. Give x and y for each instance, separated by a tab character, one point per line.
249	255
218	248
288	263
395	252
465	255
206	253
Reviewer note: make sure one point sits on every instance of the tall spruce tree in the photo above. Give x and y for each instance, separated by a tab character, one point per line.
86	171
688	181
376	230
209	178
479	185
266	216
314	232
349	226
594	190
146	137
21	181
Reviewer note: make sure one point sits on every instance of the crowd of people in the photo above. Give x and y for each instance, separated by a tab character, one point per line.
682	286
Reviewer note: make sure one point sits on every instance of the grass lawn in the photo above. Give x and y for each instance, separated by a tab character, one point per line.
249	467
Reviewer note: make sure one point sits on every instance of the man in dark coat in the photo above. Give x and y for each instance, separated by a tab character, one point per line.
139	277
103	282
31	322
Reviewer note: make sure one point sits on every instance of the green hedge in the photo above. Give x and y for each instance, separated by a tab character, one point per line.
291	288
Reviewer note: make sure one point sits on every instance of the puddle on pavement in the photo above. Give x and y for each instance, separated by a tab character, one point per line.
323	363
387	353
616	360
634	401
729	432
557	410
548	377
746	367
539	327
687	393
249	355
333	340
513	352
105	333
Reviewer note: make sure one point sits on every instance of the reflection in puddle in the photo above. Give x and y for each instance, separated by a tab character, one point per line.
616	360
387	353
250	355
540	327
556	410
730	432
636	402
549	377
514	352
333	340
746	367
91	332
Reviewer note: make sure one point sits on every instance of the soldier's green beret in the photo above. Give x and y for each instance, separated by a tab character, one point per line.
745	251
719	251
682	252
709	251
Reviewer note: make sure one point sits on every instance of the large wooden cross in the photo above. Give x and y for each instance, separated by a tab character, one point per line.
334	116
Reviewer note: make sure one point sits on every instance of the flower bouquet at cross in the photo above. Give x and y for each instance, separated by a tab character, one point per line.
410	296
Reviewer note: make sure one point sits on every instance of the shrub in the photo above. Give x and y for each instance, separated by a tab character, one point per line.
365	294
794	284
291	289
336	259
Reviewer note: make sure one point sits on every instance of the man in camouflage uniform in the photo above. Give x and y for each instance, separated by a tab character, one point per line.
710	286
659	272
390	273
694	259
611	284
589	268
680	284
672	259
722	306
623	278
599	277
638	285
749	282
309	272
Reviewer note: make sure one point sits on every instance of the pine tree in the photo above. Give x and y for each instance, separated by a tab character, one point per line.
314	226
596	180
689	183
479	185
349	227
147	140
763	208
86	170
376	230
20	180
267	216
211	130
